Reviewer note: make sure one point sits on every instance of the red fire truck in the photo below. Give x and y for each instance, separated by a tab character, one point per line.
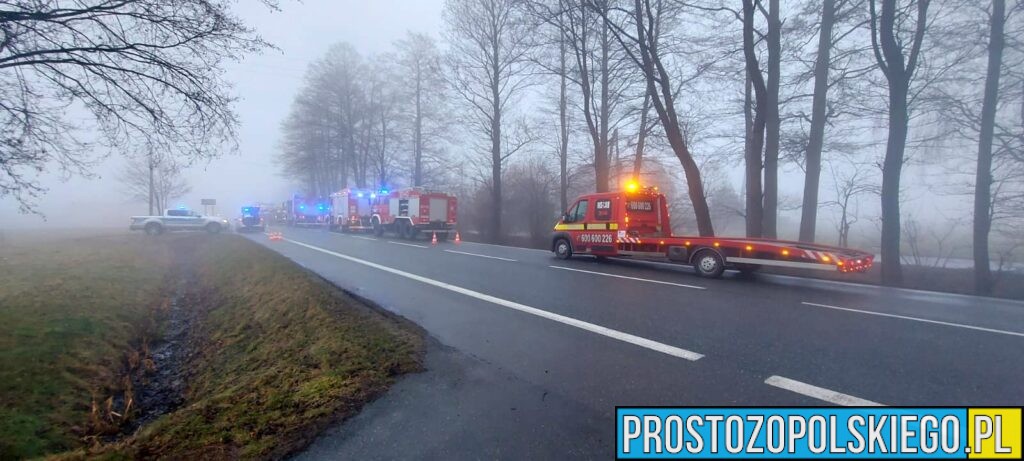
635	223
407	213
352	209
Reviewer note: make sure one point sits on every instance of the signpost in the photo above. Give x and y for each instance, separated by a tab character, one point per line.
209	206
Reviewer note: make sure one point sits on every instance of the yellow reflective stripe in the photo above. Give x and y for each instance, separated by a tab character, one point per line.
597	226
569	226
613	226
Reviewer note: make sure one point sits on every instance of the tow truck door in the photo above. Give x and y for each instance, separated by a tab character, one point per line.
589	223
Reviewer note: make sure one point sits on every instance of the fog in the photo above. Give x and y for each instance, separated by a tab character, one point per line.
265	86
935	192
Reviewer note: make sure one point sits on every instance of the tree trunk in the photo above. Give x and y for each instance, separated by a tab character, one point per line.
898	74
563	124
755	138
417	177
603	163
495	221
773	124
983	175
641	138
151	167
812	163
892	167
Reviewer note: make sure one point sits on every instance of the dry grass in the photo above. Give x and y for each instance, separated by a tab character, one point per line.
70	312
276	353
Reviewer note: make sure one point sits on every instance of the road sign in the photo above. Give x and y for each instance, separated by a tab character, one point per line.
209	201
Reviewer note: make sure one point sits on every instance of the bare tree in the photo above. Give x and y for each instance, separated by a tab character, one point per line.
643	49
145	70
422	79
156	181
489	69
983	174
898	63
756	131
815	143
849	182
773	124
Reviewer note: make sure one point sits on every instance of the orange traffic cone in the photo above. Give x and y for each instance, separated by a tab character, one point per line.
433	240
458	239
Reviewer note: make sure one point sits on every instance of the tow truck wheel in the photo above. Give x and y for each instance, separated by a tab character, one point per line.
213	228
154	229
563	250
708	263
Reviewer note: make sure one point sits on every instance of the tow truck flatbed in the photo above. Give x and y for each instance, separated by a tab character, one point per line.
635	224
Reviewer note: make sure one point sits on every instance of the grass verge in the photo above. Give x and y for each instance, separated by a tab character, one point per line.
274	353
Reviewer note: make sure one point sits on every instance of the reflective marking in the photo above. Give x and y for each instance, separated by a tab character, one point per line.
482	256
820	393
593	328
407	244
364	237
916	319
626	277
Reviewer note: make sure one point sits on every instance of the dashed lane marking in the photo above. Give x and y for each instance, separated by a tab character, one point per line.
587	326
629	278
820	393
479	255
916	319
408	244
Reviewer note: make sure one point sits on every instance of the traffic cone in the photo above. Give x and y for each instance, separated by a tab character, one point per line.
458	239
433	240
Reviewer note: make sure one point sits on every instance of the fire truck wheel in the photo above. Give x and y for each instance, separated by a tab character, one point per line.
442	237
400	229
708	263
563	249
154	229
411	232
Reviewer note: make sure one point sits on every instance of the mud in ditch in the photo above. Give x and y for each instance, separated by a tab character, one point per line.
156	381
161	388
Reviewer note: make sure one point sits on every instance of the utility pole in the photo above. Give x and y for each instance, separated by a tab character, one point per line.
152	166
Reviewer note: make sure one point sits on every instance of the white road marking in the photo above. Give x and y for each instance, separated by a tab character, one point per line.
630	278
820	393
407	244
482	256
507	246
593	328
364	237
916	319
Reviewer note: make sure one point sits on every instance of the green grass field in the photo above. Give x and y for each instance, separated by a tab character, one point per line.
275	354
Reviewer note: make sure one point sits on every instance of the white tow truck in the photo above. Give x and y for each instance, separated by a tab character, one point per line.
176	220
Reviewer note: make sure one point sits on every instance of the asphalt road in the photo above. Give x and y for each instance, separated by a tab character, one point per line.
531	354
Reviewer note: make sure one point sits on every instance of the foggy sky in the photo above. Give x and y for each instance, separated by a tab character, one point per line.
266	85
